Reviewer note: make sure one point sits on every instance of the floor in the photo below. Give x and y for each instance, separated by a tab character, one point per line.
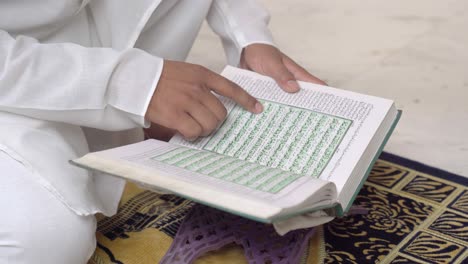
414	52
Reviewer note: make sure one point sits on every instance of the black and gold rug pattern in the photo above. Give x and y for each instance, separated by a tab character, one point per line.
417	214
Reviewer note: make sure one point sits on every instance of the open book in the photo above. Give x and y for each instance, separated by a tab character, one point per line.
299	163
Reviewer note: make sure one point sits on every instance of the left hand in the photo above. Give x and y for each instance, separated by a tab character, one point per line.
268	60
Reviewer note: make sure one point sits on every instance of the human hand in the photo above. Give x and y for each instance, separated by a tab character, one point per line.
159	132
268	60
184	101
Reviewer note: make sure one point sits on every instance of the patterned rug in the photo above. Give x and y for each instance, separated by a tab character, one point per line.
418	214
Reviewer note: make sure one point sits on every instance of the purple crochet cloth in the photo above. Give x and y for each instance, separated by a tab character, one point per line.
206	229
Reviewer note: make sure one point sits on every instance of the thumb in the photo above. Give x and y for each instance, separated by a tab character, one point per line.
285	79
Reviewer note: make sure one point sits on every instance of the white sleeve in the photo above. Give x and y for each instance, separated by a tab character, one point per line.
95	87
239	23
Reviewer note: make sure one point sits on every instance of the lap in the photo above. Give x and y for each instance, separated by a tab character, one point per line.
34	225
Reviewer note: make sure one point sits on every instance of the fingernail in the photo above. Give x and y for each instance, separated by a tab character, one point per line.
293	85
258	107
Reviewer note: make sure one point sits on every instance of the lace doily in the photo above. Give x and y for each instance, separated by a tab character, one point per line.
206	229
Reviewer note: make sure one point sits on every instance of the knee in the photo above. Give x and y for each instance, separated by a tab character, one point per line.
47	238
35	227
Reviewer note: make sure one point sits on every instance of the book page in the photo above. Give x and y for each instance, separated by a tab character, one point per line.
156	164
226	168
293	139
320	132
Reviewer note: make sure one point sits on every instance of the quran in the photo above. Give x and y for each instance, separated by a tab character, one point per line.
299	163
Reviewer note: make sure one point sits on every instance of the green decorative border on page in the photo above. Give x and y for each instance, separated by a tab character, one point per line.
290	138
230	169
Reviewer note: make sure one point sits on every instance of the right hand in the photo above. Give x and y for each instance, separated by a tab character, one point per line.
184	101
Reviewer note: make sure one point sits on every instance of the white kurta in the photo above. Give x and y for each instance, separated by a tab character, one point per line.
78	75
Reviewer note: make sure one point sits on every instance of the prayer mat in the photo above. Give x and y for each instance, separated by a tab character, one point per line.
417	214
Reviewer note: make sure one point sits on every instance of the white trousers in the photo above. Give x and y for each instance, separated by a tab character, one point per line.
35	227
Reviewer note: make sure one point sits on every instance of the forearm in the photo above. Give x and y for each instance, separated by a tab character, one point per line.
96	87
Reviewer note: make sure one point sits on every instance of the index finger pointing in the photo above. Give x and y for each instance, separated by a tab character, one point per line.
225	87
